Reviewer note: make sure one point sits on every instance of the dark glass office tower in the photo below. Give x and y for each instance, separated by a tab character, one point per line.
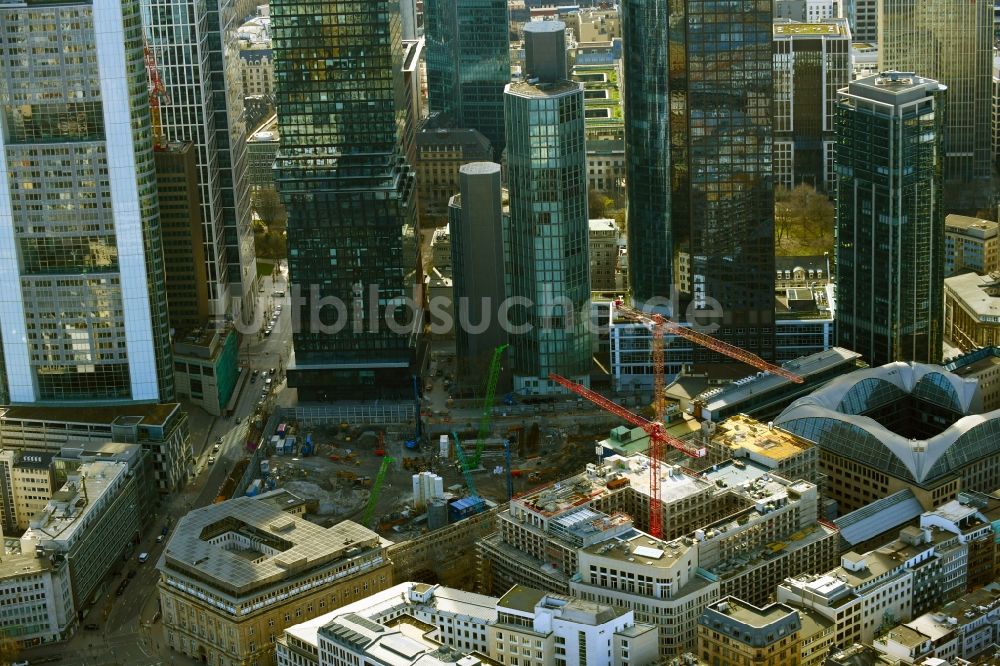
468	63
348	190
890	218
698	89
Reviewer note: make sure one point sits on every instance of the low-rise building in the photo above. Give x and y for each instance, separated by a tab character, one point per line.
27	482
35	596
235	575
206	367
732	632
972	310
535	628
963	628
605	241
160	429
525	626
970	244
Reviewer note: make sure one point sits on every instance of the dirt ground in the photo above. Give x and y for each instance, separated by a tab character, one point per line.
337	479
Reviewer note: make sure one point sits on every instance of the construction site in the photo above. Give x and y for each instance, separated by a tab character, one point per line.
434	474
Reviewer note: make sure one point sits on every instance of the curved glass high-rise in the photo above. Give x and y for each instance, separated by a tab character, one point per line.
468	63
83	309
698	92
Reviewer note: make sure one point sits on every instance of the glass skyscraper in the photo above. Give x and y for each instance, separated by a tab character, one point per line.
197	51
549	252
83	309
950	41
348	191
468	63
890	218
698	138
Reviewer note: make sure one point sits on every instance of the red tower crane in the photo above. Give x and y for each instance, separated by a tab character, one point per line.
157	93
661	325
658	439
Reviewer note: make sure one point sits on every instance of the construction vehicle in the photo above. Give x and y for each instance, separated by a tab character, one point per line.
463	464
380	449
487	413
307	448
366	517
658	439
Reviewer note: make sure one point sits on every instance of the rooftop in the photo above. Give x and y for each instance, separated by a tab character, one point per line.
789	28
980	294
266	132
880	516
527	600
905	635
148	414
65	513
525	89
748	436
401	597
638	547
749	624
244	544
964	223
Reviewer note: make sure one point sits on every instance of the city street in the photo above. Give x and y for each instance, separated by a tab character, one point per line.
127	634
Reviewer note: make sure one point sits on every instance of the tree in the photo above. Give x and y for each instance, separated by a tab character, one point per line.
267	206
803	221
10	650
597	204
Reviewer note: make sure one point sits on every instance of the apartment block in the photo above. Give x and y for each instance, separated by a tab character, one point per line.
234	575
732	632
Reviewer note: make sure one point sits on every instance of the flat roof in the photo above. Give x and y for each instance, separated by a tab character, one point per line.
286	545
955	221
149	413
795	29
973	291
741	433
907	636
543	89
641	548
750	615
64	514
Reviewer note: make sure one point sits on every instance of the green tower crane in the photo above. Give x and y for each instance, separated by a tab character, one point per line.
465	466
366	517
487	416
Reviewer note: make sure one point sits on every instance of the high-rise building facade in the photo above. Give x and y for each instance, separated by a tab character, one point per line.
348	191
84	308
477	249
468	63
812	61
699	175
862	16
547	181
197	50
890	218
950	41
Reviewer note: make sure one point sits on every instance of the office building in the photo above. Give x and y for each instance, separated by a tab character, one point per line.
970	244
732	632
606	249
235	575
743	438
581	536
84	311
698	187
870	592
961	629
441	151
881	430
812	61
950	41
468	64
604	125
807	11
94	519
27	481
477	269
47	614
180	224
971	310
160	429
349	194
262	148
206	368
547	181
197	50
890	219
559	629
863	18
982	365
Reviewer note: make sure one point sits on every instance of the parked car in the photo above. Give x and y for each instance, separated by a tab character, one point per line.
211	460
159	538
91	626
143	557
